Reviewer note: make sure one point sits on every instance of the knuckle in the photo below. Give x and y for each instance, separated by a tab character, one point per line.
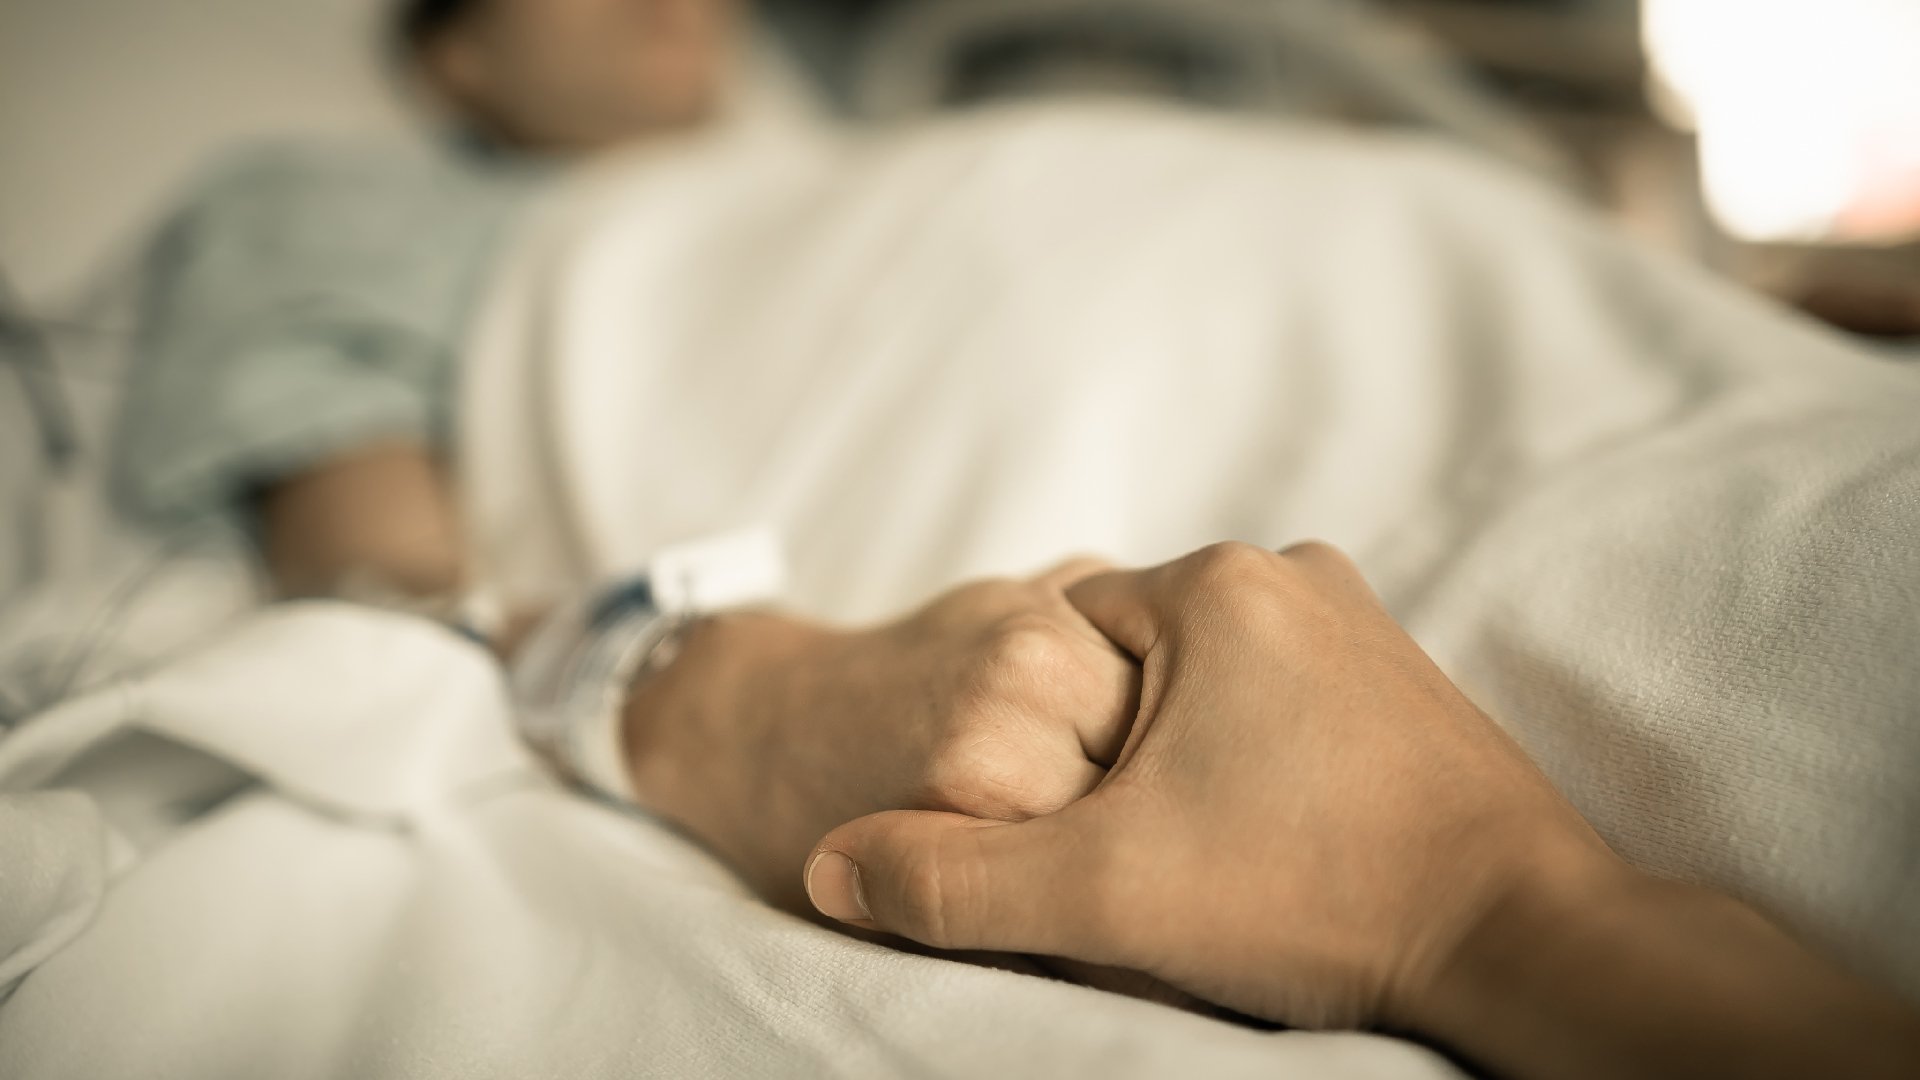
1317	554
1230	575
988	592
1333	572
1020	654
1073	569
956	767
967	604
1308	549
983	776
1246	590
1230	567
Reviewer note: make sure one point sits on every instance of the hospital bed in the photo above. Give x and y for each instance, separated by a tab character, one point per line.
1664	531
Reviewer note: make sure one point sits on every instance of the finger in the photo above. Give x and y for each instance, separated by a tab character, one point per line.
1075	780
1057	781
1132	608
1103	734
1123	605
954	882
1069	573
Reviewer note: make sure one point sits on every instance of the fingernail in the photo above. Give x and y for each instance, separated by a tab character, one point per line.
833	884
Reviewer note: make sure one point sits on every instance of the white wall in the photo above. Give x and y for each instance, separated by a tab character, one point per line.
106	105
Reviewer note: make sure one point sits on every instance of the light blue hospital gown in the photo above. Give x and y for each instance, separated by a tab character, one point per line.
307	299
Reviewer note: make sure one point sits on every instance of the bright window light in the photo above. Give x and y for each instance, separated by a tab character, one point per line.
1808	111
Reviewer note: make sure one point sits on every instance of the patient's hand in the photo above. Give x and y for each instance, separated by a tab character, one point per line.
997	700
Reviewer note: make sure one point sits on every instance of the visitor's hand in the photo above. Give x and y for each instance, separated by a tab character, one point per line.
1307	819
998	701
1310	824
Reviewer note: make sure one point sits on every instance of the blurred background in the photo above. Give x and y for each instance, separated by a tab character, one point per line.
1776	141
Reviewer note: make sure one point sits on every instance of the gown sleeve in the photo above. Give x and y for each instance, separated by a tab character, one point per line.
304	301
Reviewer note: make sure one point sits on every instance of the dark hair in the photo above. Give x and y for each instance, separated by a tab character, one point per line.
416	23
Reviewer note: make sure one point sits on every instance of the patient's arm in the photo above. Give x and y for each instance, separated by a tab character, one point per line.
380	520
384	513
998	699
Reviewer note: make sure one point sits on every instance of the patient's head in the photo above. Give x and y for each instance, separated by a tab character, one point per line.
571	75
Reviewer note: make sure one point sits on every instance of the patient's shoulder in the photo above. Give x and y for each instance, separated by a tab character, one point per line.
338	195
310	167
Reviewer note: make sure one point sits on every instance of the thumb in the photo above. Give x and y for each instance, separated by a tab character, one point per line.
955	882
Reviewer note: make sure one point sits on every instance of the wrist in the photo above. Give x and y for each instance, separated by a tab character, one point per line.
1595	969
1566	897
682	725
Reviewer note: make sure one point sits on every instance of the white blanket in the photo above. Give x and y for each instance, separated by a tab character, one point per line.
1666	534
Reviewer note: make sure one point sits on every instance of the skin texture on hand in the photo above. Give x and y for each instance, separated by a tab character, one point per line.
998	700
1310	824
1305	819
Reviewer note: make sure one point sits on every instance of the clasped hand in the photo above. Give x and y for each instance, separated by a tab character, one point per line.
1258	711
997	701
